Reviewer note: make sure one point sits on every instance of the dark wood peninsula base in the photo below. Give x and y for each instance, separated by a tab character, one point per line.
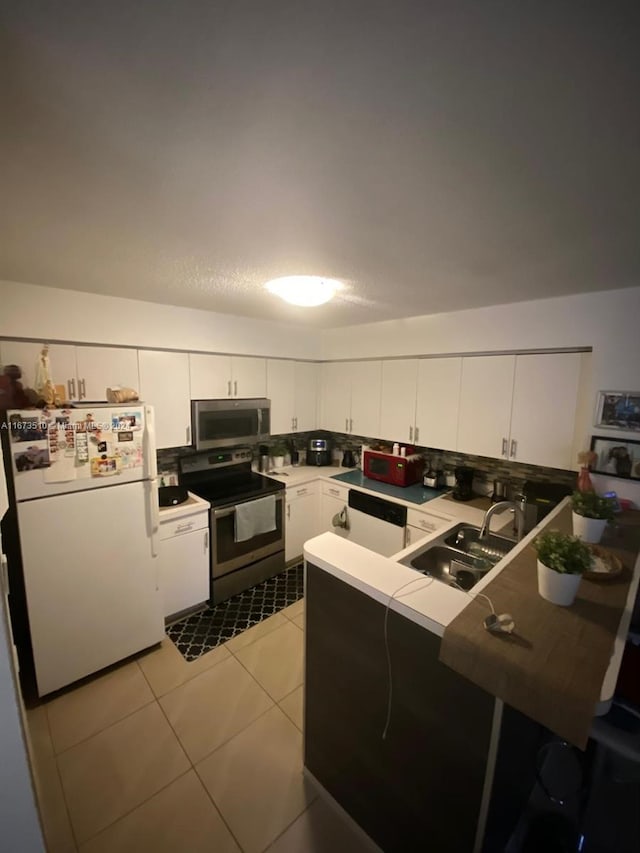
422	787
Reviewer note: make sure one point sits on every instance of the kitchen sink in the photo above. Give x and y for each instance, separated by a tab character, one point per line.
459	557
448	565
466	537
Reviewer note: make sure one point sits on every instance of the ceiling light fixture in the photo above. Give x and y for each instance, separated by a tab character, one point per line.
305	290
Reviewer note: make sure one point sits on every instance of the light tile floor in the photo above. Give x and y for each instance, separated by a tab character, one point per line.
163	755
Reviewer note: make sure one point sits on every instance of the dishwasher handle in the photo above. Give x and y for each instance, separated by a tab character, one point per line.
377	507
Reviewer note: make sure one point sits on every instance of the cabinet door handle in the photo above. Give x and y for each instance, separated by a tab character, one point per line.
73	388
188	430
346	424
289	511
206	541
334	492
182	528
410	433
350	424
235	387
69	389
514	448
296	423
229	388
301	491
505	444
417	432
82	389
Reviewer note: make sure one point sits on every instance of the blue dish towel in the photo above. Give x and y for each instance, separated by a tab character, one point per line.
255	517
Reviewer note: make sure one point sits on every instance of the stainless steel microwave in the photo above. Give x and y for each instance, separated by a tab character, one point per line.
225	423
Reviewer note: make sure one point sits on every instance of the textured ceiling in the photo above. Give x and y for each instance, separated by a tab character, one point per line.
433	155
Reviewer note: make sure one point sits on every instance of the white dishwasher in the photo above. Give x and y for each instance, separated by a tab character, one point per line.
375	523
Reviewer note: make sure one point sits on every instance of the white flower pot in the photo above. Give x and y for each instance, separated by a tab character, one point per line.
557	587
278	461
588	529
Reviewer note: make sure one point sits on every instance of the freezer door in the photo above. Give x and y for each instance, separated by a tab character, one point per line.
58	451
91	582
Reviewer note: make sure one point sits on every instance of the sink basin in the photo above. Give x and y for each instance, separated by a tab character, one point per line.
459	557
466	537
449	566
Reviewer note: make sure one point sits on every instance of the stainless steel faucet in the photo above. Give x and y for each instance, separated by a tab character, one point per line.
518	506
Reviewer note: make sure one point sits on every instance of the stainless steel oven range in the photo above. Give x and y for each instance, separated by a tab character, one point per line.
225	479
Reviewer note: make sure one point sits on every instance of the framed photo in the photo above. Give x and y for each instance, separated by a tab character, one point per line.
618	410
616	458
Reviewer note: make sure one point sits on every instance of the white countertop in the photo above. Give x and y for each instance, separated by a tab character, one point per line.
192	505
426	601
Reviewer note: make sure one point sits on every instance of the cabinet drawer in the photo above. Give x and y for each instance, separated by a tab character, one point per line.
187	524
429	522
335	491
294	492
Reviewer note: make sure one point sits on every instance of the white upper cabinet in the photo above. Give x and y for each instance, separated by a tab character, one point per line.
292	387
85	371
438	402
335	396
164	384
281	392
249	376
215	377
545	394
210	376
398	400
100	368
486	391
306	395
520	408
350	397
366	386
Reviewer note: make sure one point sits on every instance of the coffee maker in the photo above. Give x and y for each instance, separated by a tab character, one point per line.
319	451
463	490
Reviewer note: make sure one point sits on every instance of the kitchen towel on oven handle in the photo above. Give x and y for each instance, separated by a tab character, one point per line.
255	517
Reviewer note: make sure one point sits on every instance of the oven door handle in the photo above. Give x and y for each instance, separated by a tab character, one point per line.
229	510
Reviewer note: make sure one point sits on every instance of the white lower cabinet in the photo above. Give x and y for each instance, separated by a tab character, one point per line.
333	503
421	524
184	562
413	535
302	518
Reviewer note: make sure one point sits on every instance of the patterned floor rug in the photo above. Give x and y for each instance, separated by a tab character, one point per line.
197	634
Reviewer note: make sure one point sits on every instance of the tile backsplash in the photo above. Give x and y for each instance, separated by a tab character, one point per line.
486	469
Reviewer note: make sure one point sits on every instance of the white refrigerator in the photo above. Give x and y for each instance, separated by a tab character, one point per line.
86	490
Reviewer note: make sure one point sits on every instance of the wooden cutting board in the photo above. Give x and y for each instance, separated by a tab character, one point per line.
553	665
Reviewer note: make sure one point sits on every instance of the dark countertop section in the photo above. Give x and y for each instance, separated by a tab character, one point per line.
416	494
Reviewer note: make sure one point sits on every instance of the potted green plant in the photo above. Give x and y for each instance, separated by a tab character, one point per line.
562	560
590	515
278	453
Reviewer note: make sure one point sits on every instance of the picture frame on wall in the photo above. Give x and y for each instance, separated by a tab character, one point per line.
618	410
616	457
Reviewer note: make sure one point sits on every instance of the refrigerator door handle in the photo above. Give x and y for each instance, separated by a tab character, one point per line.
154	510
151	462
151	467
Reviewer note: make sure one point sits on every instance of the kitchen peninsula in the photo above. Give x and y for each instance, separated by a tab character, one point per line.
437	762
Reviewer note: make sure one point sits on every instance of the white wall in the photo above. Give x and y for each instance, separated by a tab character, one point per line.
31	311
